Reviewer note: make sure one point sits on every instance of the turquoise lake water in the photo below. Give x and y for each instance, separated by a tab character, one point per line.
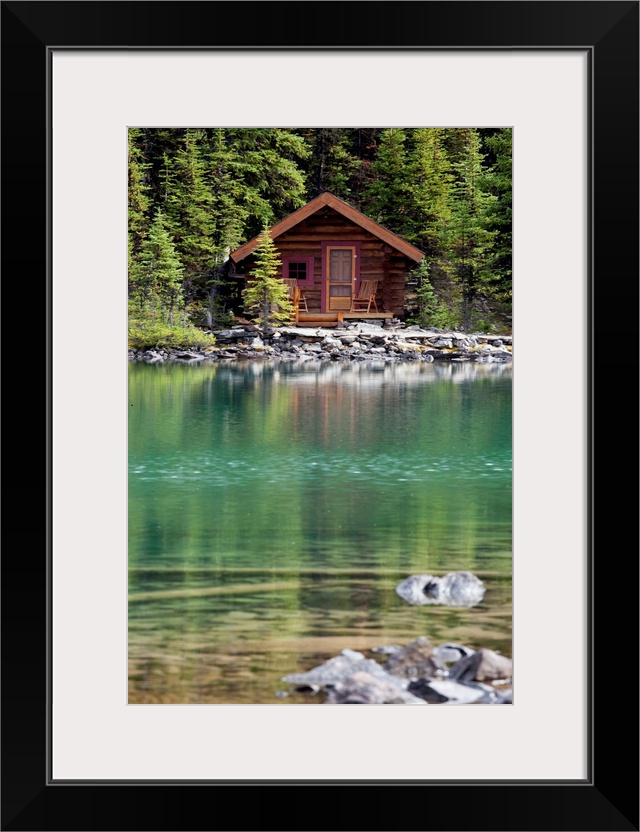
274	507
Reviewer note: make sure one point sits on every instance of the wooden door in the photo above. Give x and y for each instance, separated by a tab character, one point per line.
340	277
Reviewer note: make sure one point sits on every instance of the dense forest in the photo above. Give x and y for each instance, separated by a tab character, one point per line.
197	194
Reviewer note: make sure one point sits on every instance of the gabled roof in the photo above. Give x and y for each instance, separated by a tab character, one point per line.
341	207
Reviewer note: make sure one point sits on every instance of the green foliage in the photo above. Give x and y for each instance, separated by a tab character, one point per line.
431	312
266	297
149	328
499	182
431	190
156	276
138	195
470	238
387	199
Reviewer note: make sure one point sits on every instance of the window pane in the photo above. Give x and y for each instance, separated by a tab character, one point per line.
298	271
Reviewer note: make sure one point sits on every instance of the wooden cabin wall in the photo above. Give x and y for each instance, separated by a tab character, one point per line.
378	260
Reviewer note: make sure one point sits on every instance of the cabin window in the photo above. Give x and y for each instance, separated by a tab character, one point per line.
299	269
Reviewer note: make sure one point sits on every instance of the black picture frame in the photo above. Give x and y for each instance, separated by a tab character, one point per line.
608	798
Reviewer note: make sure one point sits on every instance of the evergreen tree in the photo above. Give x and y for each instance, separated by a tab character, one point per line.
190	205
266	165
387	197
229	216
266	296
156	274
431	312
431	180
470	238
139	198
499	214
331	165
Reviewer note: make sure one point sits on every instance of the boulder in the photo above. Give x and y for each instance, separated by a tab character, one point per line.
455	589
363	688
483	666
414	661
338	669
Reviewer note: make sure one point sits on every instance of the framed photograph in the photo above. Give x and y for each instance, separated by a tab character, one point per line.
563	77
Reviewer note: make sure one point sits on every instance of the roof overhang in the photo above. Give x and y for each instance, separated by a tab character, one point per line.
339	205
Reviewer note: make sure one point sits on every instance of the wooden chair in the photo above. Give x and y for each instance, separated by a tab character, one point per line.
366	297
296	295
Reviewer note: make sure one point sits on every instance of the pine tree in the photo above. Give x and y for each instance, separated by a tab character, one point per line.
431	179
139	197
431	312
470	238
229	216
387	197
499	183
266	163
156	274
266	296
190	204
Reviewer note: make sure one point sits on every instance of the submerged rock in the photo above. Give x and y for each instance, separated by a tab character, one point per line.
456	589
363	688
414	660
338	669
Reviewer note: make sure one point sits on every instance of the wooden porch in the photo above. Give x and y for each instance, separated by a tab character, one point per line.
336	318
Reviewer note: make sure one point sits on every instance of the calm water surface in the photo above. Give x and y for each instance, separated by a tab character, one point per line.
273	508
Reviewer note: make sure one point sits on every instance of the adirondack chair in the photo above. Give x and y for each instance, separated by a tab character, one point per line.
296	295
366	297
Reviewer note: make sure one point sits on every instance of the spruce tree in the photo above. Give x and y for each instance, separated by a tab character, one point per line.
156	274
266	297
387	197
190	204
431	178
138	195
499	214
470	238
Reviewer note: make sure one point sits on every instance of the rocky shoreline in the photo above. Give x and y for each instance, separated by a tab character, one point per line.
356	342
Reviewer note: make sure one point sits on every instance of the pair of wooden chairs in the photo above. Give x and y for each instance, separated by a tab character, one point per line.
361	302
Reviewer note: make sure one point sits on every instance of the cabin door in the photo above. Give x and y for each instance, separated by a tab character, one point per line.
340	277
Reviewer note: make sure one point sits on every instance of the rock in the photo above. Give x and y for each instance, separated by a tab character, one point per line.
331	342
456	589
483	666
235	334
257	343
414	660
442	343
187	356
423	689
387	649
451	692
363	688
452	652
338	669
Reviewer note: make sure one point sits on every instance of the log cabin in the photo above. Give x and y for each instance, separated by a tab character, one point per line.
331	250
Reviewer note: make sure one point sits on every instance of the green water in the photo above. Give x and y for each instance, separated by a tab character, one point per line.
273	508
